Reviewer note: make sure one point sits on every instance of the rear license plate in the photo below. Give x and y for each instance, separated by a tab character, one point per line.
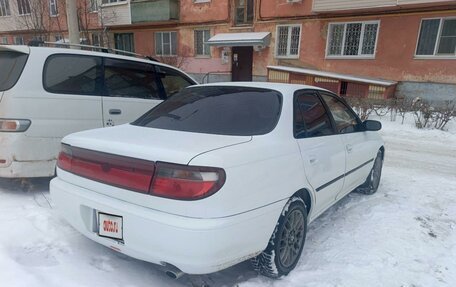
110	225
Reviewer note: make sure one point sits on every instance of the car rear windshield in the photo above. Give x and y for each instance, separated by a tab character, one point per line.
220	110
11	66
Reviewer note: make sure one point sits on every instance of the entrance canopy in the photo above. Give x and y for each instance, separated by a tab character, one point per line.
240	39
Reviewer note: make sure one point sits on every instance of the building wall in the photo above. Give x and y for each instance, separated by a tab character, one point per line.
213	11
274	9
394	58
116	13
346	5
431	92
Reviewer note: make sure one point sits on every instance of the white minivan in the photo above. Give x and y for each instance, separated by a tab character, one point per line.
48	93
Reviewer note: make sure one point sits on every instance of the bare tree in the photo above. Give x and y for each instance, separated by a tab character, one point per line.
92	17
37	19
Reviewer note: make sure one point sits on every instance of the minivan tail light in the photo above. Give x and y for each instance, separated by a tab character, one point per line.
121	171
186	182
14	125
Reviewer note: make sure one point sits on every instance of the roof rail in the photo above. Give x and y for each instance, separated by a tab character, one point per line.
37	43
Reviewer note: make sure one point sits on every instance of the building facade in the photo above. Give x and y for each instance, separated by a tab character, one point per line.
365	48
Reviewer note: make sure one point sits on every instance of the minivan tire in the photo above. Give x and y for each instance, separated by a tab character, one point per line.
287	241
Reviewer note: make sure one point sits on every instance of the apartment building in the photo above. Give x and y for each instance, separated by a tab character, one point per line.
24	20
364	48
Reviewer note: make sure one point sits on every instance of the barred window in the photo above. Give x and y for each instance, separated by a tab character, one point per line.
437	37
23	6
352	39
287	41
18	40
93	6
53	10
166	43
201	37
5	8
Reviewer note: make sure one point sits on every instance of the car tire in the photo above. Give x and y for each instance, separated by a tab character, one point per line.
370	186
287	241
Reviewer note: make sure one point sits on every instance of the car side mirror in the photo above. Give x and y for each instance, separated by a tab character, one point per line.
370	125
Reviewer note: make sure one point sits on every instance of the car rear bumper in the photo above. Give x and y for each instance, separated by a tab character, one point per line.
194	245
23	156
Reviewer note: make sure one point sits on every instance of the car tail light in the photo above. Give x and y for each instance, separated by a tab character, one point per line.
186	182
120	171
160	179
13	125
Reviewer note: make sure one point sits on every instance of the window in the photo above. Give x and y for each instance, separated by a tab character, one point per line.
23	7
112	1
130	79
437	37
243	12
53	10
344	118
357	39
4	40
4	8
18	40
201	37
93	6
12	64
124	42
217	110
72	74
96	39
173	81
288	39
166	43
310	117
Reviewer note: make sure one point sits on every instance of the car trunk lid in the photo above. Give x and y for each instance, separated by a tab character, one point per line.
148	145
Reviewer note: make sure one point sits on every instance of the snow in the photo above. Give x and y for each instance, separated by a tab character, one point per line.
404	235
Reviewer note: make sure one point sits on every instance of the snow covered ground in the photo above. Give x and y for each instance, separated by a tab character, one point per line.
404	235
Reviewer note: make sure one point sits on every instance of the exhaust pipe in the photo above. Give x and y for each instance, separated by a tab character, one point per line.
173	272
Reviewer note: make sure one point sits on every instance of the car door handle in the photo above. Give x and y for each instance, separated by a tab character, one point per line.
313	159
349	148
115	111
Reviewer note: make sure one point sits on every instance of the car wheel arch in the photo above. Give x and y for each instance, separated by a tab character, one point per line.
306	196
382	149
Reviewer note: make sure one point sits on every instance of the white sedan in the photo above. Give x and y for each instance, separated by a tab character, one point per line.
218	174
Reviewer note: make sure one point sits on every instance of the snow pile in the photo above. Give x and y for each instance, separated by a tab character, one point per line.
404	235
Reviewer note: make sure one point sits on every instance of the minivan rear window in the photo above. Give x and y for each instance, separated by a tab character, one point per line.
223	110
11	66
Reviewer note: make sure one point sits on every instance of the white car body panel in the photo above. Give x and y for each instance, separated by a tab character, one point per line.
206	235
33	153
323	160
195	245
129	109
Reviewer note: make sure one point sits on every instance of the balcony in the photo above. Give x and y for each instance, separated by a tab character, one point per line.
154	11
343	5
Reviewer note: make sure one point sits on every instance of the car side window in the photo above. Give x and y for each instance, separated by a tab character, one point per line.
129	79
345	120
173	81
310	116
72	74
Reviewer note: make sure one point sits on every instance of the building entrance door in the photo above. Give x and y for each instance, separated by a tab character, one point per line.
241	64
